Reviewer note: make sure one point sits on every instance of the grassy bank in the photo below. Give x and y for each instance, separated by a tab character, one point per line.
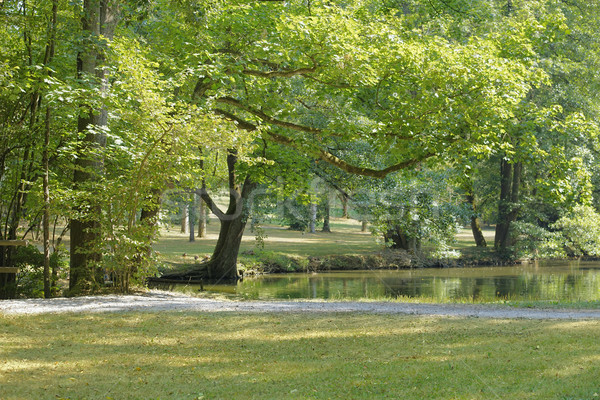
296	356
286	250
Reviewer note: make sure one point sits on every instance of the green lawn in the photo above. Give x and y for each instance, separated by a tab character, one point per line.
346	238
295	356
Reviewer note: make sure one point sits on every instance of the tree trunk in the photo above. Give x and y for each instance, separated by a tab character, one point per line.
363	227
510	182
313	217
222	266
192	218
184	218
327	211
201	219
344	200
46	220
149	217
477	232
98	24
475	226
400	240
45	163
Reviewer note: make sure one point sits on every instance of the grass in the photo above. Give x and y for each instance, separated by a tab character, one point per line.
297	356
346	238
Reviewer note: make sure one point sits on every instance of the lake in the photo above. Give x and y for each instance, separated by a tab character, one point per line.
568	281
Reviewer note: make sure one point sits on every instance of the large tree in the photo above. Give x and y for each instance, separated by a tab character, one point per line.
316	78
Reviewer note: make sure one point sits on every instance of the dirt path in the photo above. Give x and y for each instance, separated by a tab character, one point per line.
165	301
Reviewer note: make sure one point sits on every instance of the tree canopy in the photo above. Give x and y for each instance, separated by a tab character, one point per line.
115	102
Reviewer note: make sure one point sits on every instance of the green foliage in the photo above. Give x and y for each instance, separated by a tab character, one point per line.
30	261
270	261
535	242
296	214
416	208
580	229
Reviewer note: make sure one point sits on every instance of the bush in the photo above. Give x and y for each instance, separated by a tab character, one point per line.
580	231
30	261
536	242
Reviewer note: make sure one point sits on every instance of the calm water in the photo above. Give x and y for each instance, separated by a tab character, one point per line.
565	281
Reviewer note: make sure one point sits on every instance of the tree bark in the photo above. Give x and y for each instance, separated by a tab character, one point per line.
45	163
510	182
327	212
398	239
98	24
344	200
363	227
192	218
475	225
222	265
201	219
149	216
313	217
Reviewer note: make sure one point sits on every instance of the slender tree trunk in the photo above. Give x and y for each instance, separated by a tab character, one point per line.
313	217
192	218
46	220
327	211
184	218
363	227
45	163
201	219
98	24
475	225
344	200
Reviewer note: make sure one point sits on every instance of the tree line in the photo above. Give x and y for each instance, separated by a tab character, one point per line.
449	110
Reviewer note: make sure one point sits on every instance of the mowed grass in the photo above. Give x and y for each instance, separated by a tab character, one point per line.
173	355
346	238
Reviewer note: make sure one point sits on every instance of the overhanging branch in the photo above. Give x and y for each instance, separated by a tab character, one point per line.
325	155
267	118
279	74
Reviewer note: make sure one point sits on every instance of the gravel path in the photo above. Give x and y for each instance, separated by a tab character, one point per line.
166	301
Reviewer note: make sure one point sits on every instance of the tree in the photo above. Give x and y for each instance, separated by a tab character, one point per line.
317	78
99	20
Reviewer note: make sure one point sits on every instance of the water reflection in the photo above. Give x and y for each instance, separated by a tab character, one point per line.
566	281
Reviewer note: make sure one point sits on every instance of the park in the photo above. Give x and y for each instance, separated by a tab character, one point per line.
210	199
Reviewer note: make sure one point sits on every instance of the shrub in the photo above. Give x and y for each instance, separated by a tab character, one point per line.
30	261
580	231
536	242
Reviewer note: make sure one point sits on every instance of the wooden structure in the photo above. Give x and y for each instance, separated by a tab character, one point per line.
8	275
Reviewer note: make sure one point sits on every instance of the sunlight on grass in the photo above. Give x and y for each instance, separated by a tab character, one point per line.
220	355
346	238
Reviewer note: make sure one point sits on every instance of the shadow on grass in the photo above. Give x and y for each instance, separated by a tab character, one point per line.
193	355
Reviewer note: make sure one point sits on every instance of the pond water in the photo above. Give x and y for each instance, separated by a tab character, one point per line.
575	281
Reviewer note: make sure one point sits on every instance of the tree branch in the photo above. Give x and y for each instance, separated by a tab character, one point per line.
201	87
289	125
210	203
325	155
353	169
282	74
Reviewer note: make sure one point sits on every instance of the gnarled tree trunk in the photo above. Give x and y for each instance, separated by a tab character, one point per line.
222	265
